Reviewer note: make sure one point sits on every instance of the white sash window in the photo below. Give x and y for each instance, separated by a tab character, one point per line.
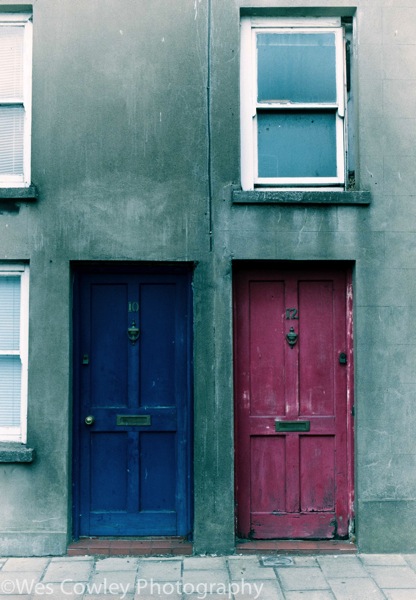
15	99
14	300
292	102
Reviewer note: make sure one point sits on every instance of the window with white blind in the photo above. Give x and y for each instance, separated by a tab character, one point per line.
15	98
14	303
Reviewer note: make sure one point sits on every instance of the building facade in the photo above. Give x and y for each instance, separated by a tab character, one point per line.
207	272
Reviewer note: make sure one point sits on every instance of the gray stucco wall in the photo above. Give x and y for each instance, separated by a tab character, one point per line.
131	165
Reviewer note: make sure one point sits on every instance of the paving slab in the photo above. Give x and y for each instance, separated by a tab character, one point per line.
409	559
15	597
116	564
160	570
154	596
301	578
112	582
23	582
158	589
400	594
249	568
207	597
213	579
58	571
341	566
383	559
356	589
107	597
25	564
309	595
263	590
202	563
60	591
393	577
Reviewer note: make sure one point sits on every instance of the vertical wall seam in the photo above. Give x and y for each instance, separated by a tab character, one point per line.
209	132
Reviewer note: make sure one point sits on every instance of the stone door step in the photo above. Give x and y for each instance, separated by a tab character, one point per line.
295	547
130	547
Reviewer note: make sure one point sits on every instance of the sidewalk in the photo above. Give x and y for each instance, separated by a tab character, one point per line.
360	577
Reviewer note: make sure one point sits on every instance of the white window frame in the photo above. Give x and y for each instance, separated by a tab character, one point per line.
19	434
249	105
21	20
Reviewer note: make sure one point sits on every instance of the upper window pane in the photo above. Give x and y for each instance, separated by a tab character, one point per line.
9	313
11	62
296	67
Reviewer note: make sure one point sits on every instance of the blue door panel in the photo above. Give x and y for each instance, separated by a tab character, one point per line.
109	454
159	345
108	351
157	485
132	478
153	522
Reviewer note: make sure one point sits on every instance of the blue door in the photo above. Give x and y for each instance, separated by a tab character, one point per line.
132	414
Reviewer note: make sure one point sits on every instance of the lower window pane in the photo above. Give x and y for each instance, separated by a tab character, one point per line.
11	140
10	378
297	144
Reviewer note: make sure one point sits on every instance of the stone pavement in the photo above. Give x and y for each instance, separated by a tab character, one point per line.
358	577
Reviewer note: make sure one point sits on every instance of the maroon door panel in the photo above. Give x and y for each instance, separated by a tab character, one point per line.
293	422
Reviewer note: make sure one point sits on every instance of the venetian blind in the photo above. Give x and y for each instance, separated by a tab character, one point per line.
10	363
11	99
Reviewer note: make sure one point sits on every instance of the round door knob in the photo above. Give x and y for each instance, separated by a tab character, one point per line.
89	420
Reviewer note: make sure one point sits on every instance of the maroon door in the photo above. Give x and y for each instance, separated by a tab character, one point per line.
293	366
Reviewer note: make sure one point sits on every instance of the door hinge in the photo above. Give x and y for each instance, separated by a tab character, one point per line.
353	410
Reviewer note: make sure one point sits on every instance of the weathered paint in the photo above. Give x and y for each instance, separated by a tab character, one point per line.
135	145
131	479
292	485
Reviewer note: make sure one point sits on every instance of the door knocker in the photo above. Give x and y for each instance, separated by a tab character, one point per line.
292	337
133	333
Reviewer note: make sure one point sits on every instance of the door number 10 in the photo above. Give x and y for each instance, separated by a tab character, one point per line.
292	313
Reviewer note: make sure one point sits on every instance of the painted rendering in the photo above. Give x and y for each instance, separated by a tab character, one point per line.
207	272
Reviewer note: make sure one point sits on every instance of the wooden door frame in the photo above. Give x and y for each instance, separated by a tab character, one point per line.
120	267
347	268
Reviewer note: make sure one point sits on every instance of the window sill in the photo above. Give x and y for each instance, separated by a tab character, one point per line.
301	197
19	193
13	452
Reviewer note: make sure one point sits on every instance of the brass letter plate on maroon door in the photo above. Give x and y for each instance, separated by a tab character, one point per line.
285	426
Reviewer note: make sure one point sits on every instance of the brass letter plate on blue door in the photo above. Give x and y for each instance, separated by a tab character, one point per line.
292	426
137	420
